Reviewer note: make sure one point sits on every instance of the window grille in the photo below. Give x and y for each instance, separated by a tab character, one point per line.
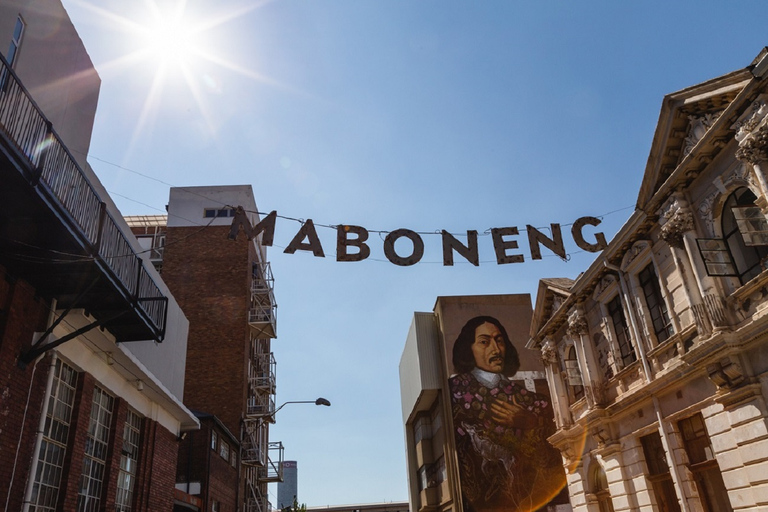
53	448
96	448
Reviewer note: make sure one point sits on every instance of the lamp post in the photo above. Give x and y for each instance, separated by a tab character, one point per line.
319	401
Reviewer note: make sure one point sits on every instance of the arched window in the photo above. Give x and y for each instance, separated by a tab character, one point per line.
744	233
600	487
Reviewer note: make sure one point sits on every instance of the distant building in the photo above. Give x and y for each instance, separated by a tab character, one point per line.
92	343
225	287
657	354
288	489
459	455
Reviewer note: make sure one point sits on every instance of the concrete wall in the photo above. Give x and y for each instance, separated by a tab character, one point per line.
55	68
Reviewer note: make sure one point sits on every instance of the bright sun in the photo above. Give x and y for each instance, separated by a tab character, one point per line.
172	38
175	45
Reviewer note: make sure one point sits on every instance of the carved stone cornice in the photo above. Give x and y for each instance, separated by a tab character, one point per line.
675	221
548	352
752	132
754	149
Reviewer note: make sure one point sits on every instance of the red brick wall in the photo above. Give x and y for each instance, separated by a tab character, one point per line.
156	477
209	275
22	388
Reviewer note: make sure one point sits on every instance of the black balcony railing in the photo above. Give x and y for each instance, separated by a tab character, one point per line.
46	163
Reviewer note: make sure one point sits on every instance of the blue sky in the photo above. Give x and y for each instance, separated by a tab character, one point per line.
420	114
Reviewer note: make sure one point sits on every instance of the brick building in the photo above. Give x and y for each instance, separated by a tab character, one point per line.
92	343
225	287
657	355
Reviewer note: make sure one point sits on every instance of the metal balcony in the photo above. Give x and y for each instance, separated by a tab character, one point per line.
55	229
273	471
262	315
260	406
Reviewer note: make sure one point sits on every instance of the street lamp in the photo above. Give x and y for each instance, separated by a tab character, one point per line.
319	401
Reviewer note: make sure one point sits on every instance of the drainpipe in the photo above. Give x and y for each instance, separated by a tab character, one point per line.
39	436
632	320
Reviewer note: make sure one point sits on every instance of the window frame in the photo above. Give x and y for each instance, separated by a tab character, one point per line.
659	310
703	464
46	486
609	290
97	451
129	462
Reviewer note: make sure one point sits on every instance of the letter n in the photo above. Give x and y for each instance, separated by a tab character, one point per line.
450	244
555	244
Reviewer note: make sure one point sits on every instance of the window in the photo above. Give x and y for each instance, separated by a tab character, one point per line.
96	446
620	327
703	465
233	458
649	282
224	450
13	51
214	440
50	458
212	213
659	476
129	460
573	374
437	418
746	258
422	428
744	247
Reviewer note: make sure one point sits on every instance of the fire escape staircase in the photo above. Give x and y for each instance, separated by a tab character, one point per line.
262	314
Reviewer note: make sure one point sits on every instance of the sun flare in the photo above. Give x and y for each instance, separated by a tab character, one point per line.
176	46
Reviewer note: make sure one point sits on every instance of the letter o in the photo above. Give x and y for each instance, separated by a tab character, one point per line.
389	247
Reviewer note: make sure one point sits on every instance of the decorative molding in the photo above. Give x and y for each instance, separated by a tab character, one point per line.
675	227
607	282
754	149
549	352
577	324
739	176
638	248
726	373
751	119
697	127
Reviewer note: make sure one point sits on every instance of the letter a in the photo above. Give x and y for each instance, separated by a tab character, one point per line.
307	231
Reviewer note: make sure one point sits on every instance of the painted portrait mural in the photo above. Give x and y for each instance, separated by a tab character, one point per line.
501	410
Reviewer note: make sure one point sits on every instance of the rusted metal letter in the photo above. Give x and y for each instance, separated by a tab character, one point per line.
342	242
307	231
389	247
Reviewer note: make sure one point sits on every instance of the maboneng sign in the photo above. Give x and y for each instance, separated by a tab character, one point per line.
500	406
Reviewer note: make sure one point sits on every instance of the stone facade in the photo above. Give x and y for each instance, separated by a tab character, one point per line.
657	355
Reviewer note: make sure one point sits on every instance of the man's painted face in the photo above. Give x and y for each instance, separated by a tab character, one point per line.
488	348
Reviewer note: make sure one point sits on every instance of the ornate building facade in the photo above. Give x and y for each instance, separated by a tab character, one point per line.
657	355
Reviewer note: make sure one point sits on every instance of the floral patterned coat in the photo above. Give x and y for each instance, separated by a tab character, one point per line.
503	468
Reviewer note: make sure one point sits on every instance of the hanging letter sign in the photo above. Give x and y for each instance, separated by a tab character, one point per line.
351	241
